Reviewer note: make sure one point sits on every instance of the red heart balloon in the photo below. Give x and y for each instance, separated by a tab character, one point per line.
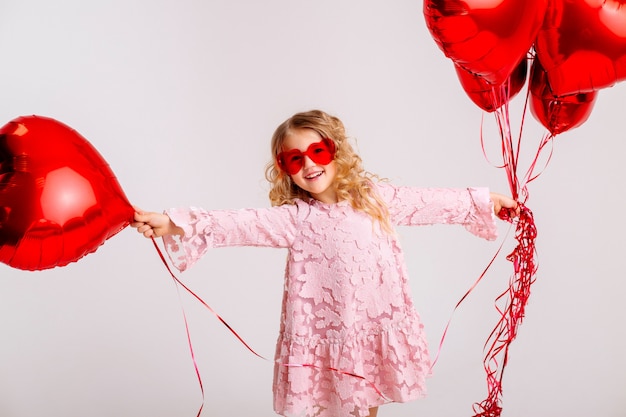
59	199
582	45
488	38
487	96
557	114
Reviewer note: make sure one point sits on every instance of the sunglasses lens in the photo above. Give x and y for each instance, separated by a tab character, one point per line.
320	152
292	161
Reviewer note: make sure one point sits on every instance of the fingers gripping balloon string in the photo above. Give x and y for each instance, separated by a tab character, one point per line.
179	284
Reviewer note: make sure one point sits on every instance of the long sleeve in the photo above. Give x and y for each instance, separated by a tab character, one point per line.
269	227
469	207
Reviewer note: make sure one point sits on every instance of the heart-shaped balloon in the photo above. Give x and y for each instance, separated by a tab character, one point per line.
487	38
491	97
59	199
582	45
557	114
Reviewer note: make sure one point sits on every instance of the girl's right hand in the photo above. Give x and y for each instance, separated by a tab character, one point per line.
152	224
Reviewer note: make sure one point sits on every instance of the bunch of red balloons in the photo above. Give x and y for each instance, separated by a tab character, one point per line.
577	48
59	199
572	49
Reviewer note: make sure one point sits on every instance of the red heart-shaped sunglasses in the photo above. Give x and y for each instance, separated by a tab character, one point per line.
292	161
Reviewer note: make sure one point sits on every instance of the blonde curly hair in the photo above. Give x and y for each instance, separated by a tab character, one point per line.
352	182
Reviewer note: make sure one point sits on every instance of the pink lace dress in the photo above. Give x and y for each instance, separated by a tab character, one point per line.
347	306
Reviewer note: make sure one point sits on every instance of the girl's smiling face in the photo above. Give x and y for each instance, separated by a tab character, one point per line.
313	178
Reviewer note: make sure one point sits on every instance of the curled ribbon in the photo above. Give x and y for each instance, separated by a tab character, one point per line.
515	299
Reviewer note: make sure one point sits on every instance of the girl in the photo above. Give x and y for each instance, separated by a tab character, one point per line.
347	312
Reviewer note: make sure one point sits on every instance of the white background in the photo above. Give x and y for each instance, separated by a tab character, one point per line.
181	98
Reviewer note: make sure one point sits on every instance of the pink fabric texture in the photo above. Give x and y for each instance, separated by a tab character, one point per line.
347	303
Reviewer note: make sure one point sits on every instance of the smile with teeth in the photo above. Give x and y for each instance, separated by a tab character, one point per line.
313	175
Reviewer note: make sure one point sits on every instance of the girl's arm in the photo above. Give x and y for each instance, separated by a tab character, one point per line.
188	233
474	208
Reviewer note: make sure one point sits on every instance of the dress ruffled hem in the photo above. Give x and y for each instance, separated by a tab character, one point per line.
345	377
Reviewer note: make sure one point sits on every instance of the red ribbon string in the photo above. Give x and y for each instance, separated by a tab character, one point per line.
511	304
178	283
458	304
187	332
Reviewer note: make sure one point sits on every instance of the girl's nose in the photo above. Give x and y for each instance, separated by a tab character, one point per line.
307	162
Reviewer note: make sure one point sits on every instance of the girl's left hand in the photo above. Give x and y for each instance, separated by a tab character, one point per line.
504	207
